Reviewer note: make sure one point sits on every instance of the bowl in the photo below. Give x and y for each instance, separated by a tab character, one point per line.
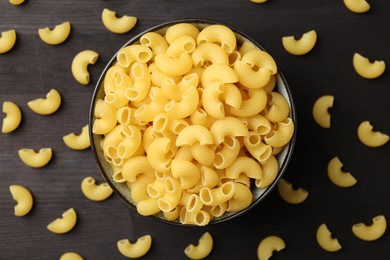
123	190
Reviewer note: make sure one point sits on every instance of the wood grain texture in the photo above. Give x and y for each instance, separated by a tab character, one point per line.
32	68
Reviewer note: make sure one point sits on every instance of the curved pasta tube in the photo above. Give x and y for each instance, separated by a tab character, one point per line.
244	165
136	52
95	192
193	134
172	195
174	66
175	91
320	110
33	159
214	93
7	41
78	142
48	105
187	172
203	154
13	117
270	171
282	135
56	36
202	250
357	6
186	106
181	29
209	52
131	142
218	73
71	256
253	105
115	24
141	82
268	245
217	196
194	203
64	224
16	2
137	249
172	215
337	176
183	44
138	188
218	34
147	111
367	69
80	65
199	218
258	124
291	195
200	117
325	240
24	199
279	108
228	154
259	150
369	137
148	207
105	117
258	1
302	46
155	41
136	166
228	126
242	198
158	153
372	232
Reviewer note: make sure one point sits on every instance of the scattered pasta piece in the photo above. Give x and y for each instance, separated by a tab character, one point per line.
357	6
136	250
23	198
320	110
325	240
369	137
80	65
202	250
302	46
367	69
35	159
268	245
13	117
373	232
64	224
337	176
16	2
48	105
71	256
7	41
95	192
289	194
56	36
115	24
258	1
78	142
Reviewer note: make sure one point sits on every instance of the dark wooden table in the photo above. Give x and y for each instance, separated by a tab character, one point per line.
32	68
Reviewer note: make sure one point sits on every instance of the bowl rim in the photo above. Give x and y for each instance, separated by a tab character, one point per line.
282	167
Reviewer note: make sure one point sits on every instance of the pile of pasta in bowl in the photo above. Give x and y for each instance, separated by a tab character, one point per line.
192	123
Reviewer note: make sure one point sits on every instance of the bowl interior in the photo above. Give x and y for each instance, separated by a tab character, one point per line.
122	189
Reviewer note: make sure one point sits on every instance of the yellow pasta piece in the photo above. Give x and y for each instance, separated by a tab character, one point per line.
268	245
218	34
372	232
282	135
337	176
270	171
78	142
48	105
13	117
369	137
325	240
357	6
202	250
95	192
320	110
16	2
229	126
71	256
258	1
7	41
24	199
80	65
302	46
115	24
35	159
242	198
367	69
291	195
137	249
56	36
64	224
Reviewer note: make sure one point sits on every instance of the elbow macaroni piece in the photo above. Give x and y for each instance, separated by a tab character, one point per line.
80	65
16	2
325	240
320	110
337	176
258	1
71	256
367	69
302	46
282	135
95	192
137	249
218	34
7	41
357	6
78	142
228	126
115	24
291	195
268	245
35	159
373	232
202	250
48	105
24	199
13	117
56	36
369	137
64	224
